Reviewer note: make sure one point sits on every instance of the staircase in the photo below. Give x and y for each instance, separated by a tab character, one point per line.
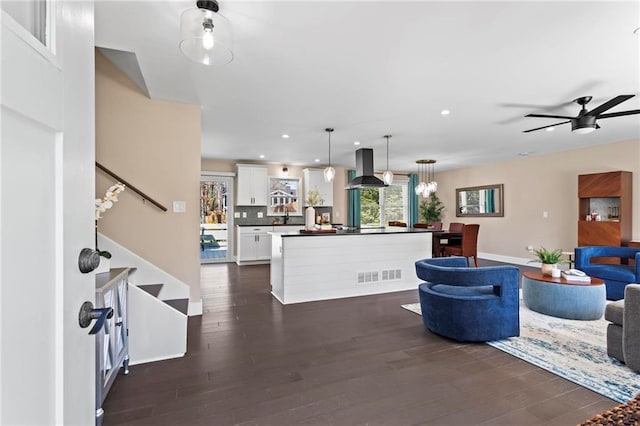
158	307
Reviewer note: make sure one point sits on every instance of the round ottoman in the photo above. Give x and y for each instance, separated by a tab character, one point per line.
560	298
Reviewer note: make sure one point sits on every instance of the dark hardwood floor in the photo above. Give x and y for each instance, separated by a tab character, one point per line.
351	361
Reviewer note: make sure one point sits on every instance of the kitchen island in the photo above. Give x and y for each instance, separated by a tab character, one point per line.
308	267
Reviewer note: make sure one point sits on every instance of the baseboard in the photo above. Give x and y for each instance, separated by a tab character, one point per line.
144	361
195	308
507	259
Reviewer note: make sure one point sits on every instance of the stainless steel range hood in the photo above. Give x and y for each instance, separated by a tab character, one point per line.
364	171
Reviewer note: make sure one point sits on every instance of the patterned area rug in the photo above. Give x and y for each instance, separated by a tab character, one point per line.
627	414
575	350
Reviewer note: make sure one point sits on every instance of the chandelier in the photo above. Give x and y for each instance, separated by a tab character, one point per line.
427	176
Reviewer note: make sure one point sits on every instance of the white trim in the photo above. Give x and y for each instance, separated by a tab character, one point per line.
217	174
507	259
146	360
195	308
29	39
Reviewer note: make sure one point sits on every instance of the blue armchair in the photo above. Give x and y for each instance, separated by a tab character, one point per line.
615	276
469	304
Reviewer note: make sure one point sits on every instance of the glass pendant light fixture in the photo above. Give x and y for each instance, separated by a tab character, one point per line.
205	35
427	176
387	176
329	172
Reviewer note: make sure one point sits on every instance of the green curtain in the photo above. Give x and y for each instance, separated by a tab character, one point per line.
353	207
413	199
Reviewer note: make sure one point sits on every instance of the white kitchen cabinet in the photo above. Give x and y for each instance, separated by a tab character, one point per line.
314	179
254	244
252	185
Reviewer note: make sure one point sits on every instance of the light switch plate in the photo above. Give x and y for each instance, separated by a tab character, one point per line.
179	206
236	215
244	215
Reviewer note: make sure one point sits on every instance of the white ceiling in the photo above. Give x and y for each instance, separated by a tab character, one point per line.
369	68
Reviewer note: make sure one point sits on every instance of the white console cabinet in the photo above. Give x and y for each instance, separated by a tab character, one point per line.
252	185
314	179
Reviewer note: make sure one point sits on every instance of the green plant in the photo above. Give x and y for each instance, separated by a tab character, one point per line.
549	257
431	209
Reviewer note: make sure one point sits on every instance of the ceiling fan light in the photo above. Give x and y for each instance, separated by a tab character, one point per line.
387	177
583	130
206	37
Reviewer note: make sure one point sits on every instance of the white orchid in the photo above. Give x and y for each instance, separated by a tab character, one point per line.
110	197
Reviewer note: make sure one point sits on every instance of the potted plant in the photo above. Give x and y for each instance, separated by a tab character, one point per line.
548	258
431	209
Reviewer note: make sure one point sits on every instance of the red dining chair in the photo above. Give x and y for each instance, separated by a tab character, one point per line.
469	246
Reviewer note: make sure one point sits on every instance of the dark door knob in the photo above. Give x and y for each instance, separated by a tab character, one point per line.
88	314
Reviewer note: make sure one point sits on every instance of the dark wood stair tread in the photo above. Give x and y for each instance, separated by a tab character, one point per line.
181	305
152	289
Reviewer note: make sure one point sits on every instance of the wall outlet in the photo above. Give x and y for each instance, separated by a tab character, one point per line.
545	215
236	215
179	206
529	248
244	215
260	215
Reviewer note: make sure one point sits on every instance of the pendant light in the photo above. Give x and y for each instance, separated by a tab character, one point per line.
205	35
329	172
427	176
387	176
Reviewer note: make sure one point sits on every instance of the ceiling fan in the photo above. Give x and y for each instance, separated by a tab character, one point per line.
585	121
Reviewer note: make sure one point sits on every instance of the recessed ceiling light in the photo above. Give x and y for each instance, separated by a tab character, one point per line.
317	160
445	112
261	155
285	136
523	154
550	129
356	143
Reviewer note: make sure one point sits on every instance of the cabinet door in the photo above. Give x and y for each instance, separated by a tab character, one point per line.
252	186
314	179
259	185
247	247
263	246
245	189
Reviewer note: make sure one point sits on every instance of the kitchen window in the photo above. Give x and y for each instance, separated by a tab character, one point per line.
380	205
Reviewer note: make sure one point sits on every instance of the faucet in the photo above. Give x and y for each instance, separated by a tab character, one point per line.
286	215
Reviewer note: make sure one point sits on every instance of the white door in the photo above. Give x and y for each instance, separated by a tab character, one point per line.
47	362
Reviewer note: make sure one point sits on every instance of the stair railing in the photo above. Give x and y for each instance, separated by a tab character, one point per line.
144	196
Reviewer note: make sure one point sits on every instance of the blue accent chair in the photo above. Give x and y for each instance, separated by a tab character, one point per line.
469	304
615	276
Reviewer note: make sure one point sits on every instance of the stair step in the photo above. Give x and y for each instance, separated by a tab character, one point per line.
152	289
181	305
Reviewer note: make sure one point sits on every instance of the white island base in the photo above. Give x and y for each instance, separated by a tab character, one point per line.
305	268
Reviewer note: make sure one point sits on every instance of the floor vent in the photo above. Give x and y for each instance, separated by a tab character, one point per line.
367	277
392	274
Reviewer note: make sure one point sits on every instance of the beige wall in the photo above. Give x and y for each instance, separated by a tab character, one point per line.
339	182
154	145
536	184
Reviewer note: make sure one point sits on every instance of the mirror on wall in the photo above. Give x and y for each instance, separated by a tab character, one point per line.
480	201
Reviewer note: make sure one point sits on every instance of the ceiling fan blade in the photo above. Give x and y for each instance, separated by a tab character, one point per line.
544	127
619	114
549	116
609	104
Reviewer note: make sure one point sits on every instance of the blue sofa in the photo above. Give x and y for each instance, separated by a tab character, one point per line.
615	276
469	304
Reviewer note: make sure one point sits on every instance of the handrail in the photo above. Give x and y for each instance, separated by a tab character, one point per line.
144	196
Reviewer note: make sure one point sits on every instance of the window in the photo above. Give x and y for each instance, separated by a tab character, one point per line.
380	205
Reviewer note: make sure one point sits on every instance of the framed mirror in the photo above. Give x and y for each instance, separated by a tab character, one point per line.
480	201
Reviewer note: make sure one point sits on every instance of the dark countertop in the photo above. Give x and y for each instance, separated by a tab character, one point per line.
364	231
